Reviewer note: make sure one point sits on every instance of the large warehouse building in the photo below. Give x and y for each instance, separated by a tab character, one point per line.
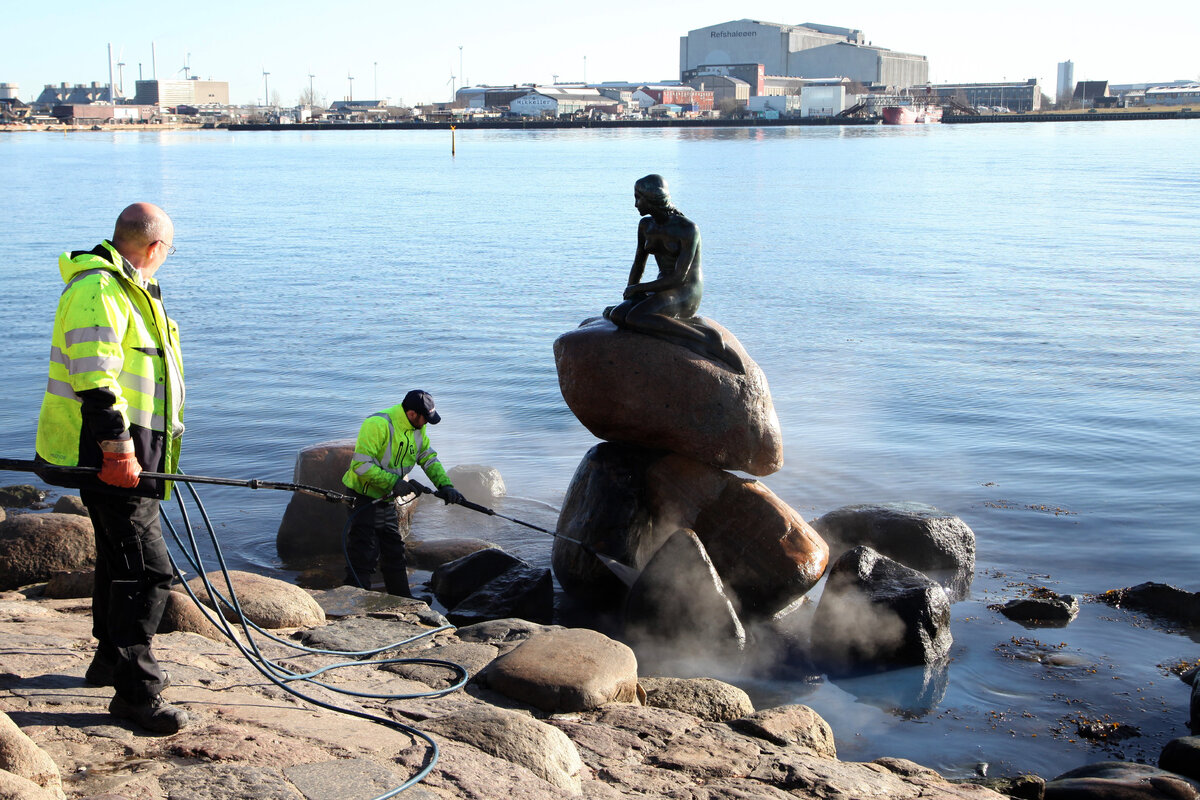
801	51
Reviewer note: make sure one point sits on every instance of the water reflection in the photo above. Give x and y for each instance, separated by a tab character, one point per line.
908	693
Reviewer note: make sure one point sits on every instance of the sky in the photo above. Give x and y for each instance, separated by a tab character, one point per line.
412	53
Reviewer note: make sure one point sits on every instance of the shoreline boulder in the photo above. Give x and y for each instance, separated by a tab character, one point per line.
35	546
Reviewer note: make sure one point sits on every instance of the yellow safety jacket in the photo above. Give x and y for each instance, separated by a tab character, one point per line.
115	371
388	447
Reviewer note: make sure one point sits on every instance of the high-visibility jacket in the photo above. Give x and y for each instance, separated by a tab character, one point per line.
115	370
387	449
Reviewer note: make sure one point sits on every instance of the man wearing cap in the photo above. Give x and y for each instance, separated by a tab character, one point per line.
390	443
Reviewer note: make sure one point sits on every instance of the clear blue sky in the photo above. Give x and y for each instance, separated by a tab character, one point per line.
413	48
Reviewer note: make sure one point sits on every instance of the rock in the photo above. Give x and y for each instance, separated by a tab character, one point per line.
1049	609
70	583
706	698
875	612
455	581
266	602
764	551
351	601
1119	780
677	606
916	535
1182	756
429	554
1023	787
330	780
908	692
70	504
518	738
605	508
636	389
503	632
524	591
361	634
479	484
470	656
790	725
20	756
565	670
3	514
1160	600
223	781
181	614
21	496
35	546
14	787
1194	706
314	526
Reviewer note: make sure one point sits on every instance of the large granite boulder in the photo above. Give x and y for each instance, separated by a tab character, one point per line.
267	602
456	580
917	535
21	757
877	613
790	725
572	669
429	554
624	502
181	614
706	698
70	504
678	607
605	508
636	389
313	526
523	591
1121	780
35	546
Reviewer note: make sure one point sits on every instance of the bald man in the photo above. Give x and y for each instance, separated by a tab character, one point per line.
114	401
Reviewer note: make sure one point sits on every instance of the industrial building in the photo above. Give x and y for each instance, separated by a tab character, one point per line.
1014	96
191	92
76	94
1066	81
555	101
800	51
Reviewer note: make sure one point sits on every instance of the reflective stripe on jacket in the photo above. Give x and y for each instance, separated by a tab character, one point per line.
387	449
115	369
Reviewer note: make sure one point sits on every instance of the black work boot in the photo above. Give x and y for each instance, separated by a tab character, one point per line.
154	714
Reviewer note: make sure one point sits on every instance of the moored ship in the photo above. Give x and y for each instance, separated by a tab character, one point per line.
914	114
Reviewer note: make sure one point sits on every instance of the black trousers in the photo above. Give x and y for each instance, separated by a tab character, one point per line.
374	532
133	577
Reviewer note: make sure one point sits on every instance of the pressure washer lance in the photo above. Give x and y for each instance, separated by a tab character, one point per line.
624	572
17	465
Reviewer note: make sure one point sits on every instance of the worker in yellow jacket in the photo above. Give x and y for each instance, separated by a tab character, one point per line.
390	443
114	400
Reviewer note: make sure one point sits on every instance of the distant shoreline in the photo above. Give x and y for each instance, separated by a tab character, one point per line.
554	124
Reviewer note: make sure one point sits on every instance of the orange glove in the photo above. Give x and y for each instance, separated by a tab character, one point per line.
120	469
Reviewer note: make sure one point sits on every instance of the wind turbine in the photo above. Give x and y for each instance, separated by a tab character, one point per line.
450	83
121	73
350	78
186	68
266	94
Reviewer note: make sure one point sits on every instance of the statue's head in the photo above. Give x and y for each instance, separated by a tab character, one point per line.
650	194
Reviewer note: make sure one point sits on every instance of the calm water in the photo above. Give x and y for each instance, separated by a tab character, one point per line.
999	320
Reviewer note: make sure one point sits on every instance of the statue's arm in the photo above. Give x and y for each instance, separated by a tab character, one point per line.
639	261
682	271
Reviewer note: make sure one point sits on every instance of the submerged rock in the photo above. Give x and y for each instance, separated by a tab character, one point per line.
22	495
35	546
1160	600
636	389
1119	780
916	535
877	613
1043	608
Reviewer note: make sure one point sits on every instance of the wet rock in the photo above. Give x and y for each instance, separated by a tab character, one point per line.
1182	756
522	591
313	526
20	756
266	602
605	508
430	554
1044	608
71	583
764	551
351	601
21	496
503	633
359	634
70	504
636	389
35	546
565	670
1023	787
908	693
517	738
1195	706
453	582
471	656
916	535
1119	780
788	725
877	613
677	607
181	614
480	484
1160	600
706	698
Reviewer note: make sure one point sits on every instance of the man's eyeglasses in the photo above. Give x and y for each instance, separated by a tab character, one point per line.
170	247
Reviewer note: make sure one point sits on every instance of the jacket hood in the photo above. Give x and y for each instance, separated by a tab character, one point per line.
102	256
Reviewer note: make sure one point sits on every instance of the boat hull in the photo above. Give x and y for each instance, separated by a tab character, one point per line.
912	115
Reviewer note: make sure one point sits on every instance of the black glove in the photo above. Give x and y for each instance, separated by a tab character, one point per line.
450	495
403	488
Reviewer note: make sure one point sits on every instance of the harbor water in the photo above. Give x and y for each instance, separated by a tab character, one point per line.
997	320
